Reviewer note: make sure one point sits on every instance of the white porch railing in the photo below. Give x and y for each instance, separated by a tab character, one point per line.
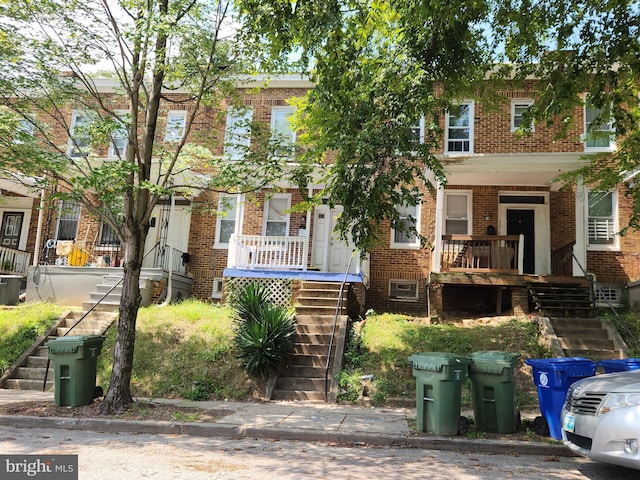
256	251
14	261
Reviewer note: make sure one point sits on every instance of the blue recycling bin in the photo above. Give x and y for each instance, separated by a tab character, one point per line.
553	377
619	365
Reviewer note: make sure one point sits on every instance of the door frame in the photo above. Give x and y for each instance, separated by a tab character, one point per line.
542	234
326	238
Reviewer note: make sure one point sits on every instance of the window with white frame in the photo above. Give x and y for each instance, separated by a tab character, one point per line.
598	129
237	134
79	140
417	130
276	216
405	236
602	221
26	128
609	294
282	130
216	292
457	213
176	124
459	129
119	136
226	219
406	290
519	109
67	221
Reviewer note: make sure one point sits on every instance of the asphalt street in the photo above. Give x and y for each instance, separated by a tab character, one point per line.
130	456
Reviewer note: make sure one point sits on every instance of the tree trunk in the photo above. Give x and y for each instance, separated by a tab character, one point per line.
119	397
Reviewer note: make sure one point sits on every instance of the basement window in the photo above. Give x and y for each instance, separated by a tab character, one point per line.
217	288
609	292
406	290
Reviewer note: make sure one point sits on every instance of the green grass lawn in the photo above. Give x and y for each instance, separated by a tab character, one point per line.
187	350
20	326
381	345
184	350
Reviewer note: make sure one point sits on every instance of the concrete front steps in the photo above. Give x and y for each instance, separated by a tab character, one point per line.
588	337
28	372
106	297
302	377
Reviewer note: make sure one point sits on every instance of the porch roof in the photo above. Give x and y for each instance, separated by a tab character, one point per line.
310	276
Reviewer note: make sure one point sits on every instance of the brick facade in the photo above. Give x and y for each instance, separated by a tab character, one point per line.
492	136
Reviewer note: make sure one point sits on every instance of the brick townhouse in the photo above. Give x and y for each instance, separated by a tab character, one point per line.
501	223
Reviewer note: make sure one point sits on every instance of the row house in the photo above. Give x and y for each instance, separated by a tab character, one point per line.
500	224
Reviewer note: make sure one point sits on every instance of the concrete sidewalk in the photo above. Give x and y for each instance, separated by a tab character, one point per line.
299	421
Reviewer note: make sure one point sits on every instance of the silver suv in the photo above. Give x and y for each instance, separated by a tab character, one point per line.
601	418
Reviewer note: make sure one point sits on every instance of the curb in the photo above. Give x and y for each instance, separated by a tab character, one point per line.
346	439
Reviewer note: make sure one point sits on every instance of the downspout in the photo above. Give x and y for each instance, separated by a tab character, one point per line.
36	250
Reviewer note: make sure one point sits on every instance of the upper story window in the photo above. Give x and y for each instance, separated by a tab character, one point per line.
79	141
406	237
226	220
119	137
417	130
282	130
176	124
457	212
237	134
276	215
26	128
518	111
602	221
598	130
459	129
67	221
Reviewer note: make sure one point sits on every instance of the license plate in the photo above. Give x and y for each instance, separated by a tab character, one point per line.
569	422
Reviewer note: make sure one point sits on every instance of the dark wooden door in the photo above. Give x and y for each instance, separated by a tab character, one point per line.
523	222
11	228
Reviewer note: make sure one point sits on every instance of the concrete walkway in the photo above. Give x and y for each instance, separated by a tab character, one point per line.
313	422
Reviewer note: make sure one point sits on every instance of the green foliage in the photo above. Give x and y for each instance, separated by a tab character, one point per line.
264	331
387	341
349	386
249	302
21	326
186	350
379	67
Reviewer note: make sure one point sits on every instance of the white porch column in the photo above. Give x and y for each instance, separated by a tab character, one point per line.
580	248
437	249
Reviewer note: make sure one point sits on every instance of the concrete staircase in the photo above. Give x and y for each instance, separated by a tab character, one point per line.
302	377
588	337
111	286
28	372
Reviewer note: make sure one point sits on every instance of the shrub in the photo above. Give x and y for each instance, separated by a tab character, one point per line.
264	332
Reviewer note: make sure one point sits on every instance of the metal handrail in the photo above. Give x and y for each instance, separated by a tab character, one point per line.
595	284
333	331
46	372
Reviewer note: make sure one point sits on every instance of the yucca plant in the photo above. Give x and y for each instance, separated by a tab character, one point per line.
249	302
264	332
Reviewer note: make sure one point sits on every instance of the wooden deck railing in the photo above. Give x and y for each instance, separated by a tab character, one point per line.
268	253
481	253
14	262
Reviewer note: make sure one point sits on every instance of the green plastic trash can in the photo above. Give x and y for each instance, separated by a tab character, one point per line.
439	378
74	366
493	391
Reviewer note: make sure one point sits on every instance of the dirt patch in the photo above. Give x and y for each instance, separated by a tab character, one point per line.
138	411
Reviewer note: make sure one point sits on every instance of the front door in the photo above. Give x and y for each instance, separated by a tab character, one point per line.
523	222
329	253
11	228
